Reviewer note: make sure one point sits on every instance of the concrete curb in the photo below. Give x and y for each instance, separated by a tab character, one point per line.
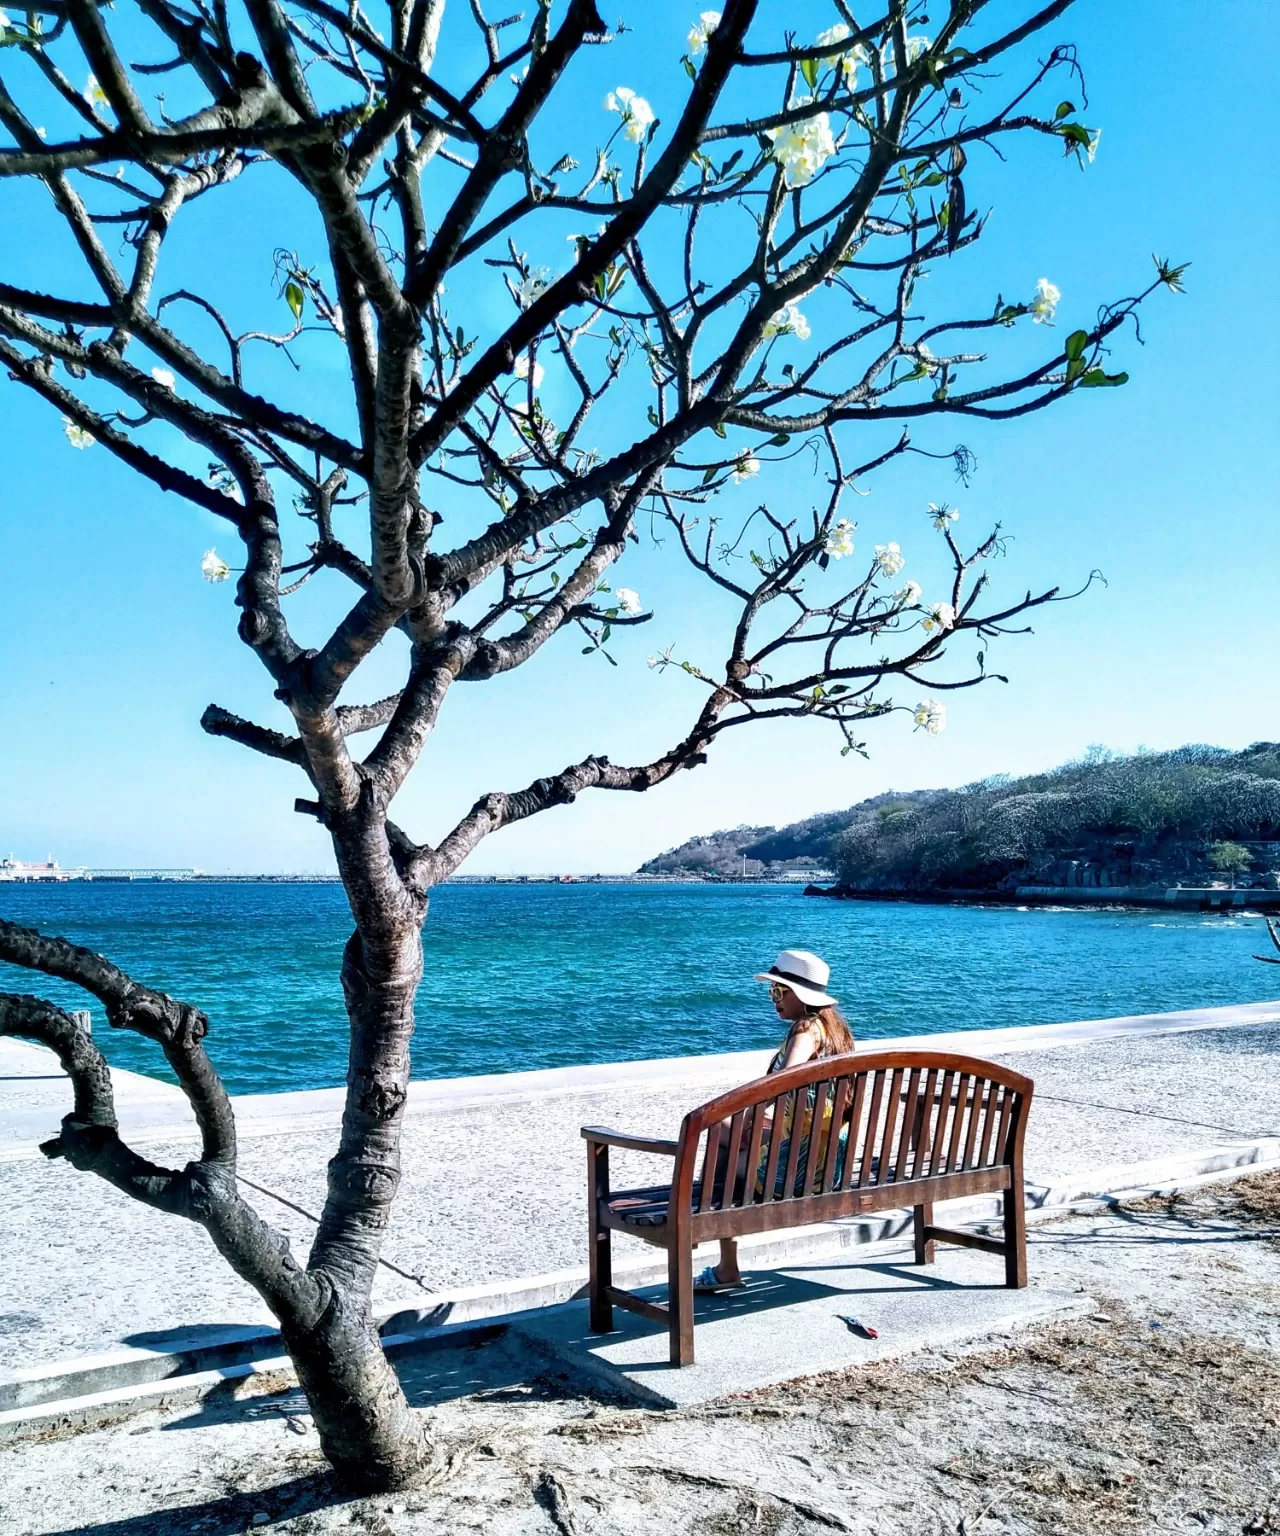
249	1361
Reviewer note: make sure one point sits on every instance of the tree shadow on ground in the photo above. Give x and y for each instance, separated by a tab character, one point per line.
231	1515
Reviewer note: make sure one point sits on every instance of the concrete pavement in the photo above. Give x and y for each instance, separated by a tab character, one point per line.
493	1189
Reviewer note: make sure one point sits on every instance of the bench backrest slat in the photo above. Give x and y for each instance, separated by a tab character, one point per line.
861	1121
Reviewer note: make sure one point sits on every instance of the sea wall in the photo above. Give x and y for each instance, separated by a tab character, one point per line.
1185	898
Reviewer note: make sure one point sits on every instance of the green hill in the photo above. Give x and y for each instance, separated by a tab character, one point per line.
1196	815
1192	816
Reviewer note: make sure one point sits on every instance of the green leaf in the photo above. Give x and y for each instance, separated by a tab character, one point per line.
1096	379
779	440
1076	343
719	430
809	69
555	578
293	297
844	751
1065	109
607	630
1075	368
587	649
935	180
708	475
944	215
689	69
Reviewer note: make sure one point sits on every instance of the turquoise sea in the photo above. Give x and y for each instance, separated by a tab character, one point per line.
521	976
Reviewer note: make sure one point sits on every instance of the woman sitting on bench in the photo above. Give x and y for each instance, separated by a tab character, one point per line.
797	984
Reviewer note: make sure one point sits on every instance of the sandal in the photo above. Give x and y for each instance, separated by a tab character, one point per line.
708	1281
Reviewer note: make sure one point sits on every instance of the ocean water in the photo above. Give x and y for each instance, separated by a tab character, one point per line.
523	976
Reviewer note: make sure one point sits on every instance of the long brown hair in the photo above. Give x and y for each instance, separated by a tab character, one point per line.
832	1027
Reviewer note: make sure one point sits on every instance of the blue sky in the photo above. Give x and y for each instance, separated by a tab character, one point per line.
113	645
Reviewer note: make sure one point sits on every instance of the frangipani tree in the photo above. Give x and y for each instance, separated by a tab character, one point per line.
562	327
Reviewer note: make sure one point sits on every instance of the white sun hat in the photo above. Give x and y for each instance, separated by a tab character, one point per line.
805	974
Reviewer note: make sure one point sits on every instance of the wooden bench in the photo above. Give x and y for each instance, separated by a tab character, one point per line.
894	1129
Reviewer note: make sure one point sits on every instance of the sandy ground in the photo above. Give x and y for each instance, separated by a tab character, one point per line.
1159	1411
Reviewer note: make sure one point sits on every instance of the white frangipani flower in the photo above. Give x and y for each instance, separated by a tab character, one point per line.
5	24
94	94
889	558
163	376
910	594
1045	303
803	148
942	617
531	288
700	32
747	466
628	600
77	436
521	370
840	539
788	321
931	715
635	111
850	59
213	567
916	46
942	516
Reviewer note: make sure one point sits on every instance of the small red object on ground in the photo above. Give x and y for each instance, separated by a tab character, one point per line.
865	1329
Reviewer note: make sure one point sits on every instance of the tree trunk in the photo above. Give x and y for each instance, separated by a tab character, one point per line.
371	1436
366	1426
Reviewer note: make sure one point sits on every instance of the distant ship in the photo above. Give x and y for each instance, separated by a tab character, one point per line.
16	869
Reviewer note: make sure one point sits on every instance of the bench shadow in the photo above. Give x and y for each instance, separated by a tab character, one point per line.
766	1291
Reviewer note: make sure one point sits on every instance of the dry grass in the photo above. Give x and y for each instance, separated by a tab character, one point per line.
1251	1201
1088	1429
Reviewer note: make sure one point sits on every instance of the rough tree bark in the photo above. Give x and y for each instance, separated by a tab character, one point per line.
846	183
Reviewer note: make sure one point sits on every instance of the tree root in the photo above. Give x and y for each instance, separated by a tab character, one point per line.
828	1517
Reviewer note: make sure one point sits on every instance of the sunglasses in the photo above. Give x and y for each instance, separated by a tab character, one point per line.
777	990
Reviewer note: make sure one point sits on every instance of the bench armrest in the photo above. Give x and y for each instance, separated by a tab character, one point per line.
610	1138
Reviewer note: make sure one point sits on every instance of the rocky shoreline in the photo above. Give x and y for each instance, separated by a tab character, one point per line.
1175	898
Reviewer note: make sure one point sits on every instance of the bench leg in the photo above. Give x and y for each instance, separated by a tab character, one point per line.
680	1297
728	1265
925	1247
599	1240
1015	1237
